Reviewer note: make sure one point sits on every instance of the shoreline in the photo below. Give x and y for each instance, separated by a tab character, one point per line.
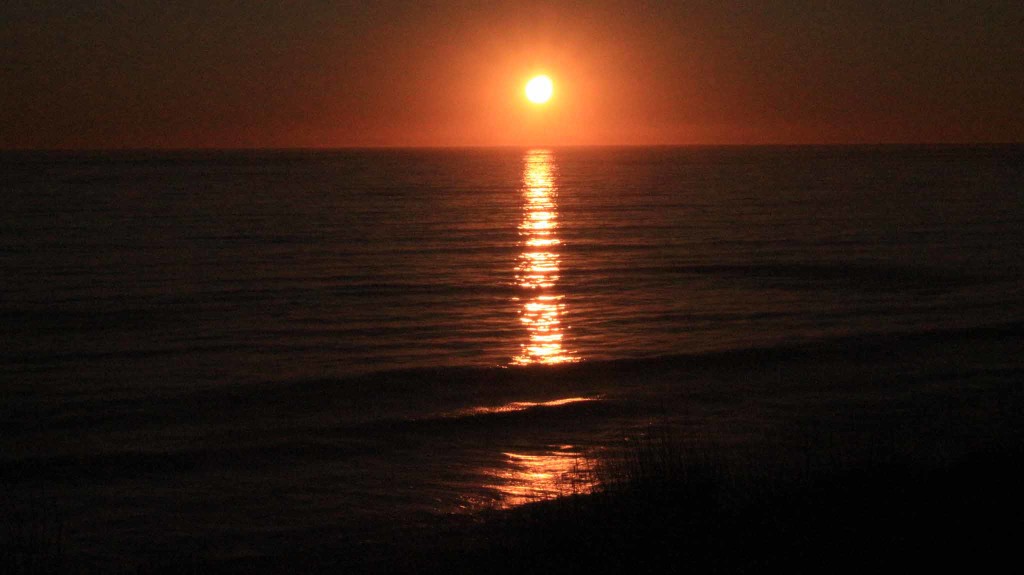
900	406
670	506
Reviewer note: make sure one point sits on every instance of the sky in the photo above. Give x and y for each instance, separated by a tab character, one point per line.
92	74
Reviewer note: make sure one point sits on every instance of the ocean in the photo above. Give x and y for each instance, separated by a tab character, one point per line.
230	351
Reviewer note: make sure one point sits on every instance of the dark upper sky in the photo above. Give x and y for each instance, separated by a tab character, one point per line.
316	73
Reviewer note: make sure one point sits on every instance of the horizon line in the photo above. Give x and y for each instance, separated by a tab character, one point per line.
505	146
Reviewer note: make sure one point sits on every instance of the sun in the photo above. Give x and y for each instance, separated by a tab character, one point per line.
539	89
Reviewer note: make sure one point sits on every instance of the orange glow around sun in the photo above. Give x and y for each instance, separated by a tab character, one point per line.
539	89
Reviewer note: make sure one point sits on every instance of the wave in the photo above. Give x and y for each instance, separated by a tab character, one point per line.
794	275
520	406
810	345
135	463
453	396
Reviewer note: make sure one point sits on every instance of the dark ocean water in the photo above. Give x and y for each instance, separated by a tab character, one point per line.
234	346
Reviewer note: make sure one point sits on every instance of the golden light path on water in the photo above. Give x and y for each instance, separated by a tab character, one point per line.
537	268
520	406
524	477
527	478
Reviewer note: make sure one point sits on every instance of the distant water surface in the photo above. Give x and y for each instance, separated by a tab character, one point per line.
231	347
204	267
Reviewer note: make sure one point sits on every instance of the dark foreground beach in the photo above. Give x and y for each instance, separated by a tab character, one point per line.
897	451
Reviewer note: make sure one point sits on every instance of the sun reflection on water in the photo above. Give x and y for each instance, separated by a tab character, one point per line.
538	266
521	406
529	477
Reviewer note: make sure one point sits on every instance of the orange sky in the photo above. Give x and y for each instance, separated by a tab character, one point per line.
150	74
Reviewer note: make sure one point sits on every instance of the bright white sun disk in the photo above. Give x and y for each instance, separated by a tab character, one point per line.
539	89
